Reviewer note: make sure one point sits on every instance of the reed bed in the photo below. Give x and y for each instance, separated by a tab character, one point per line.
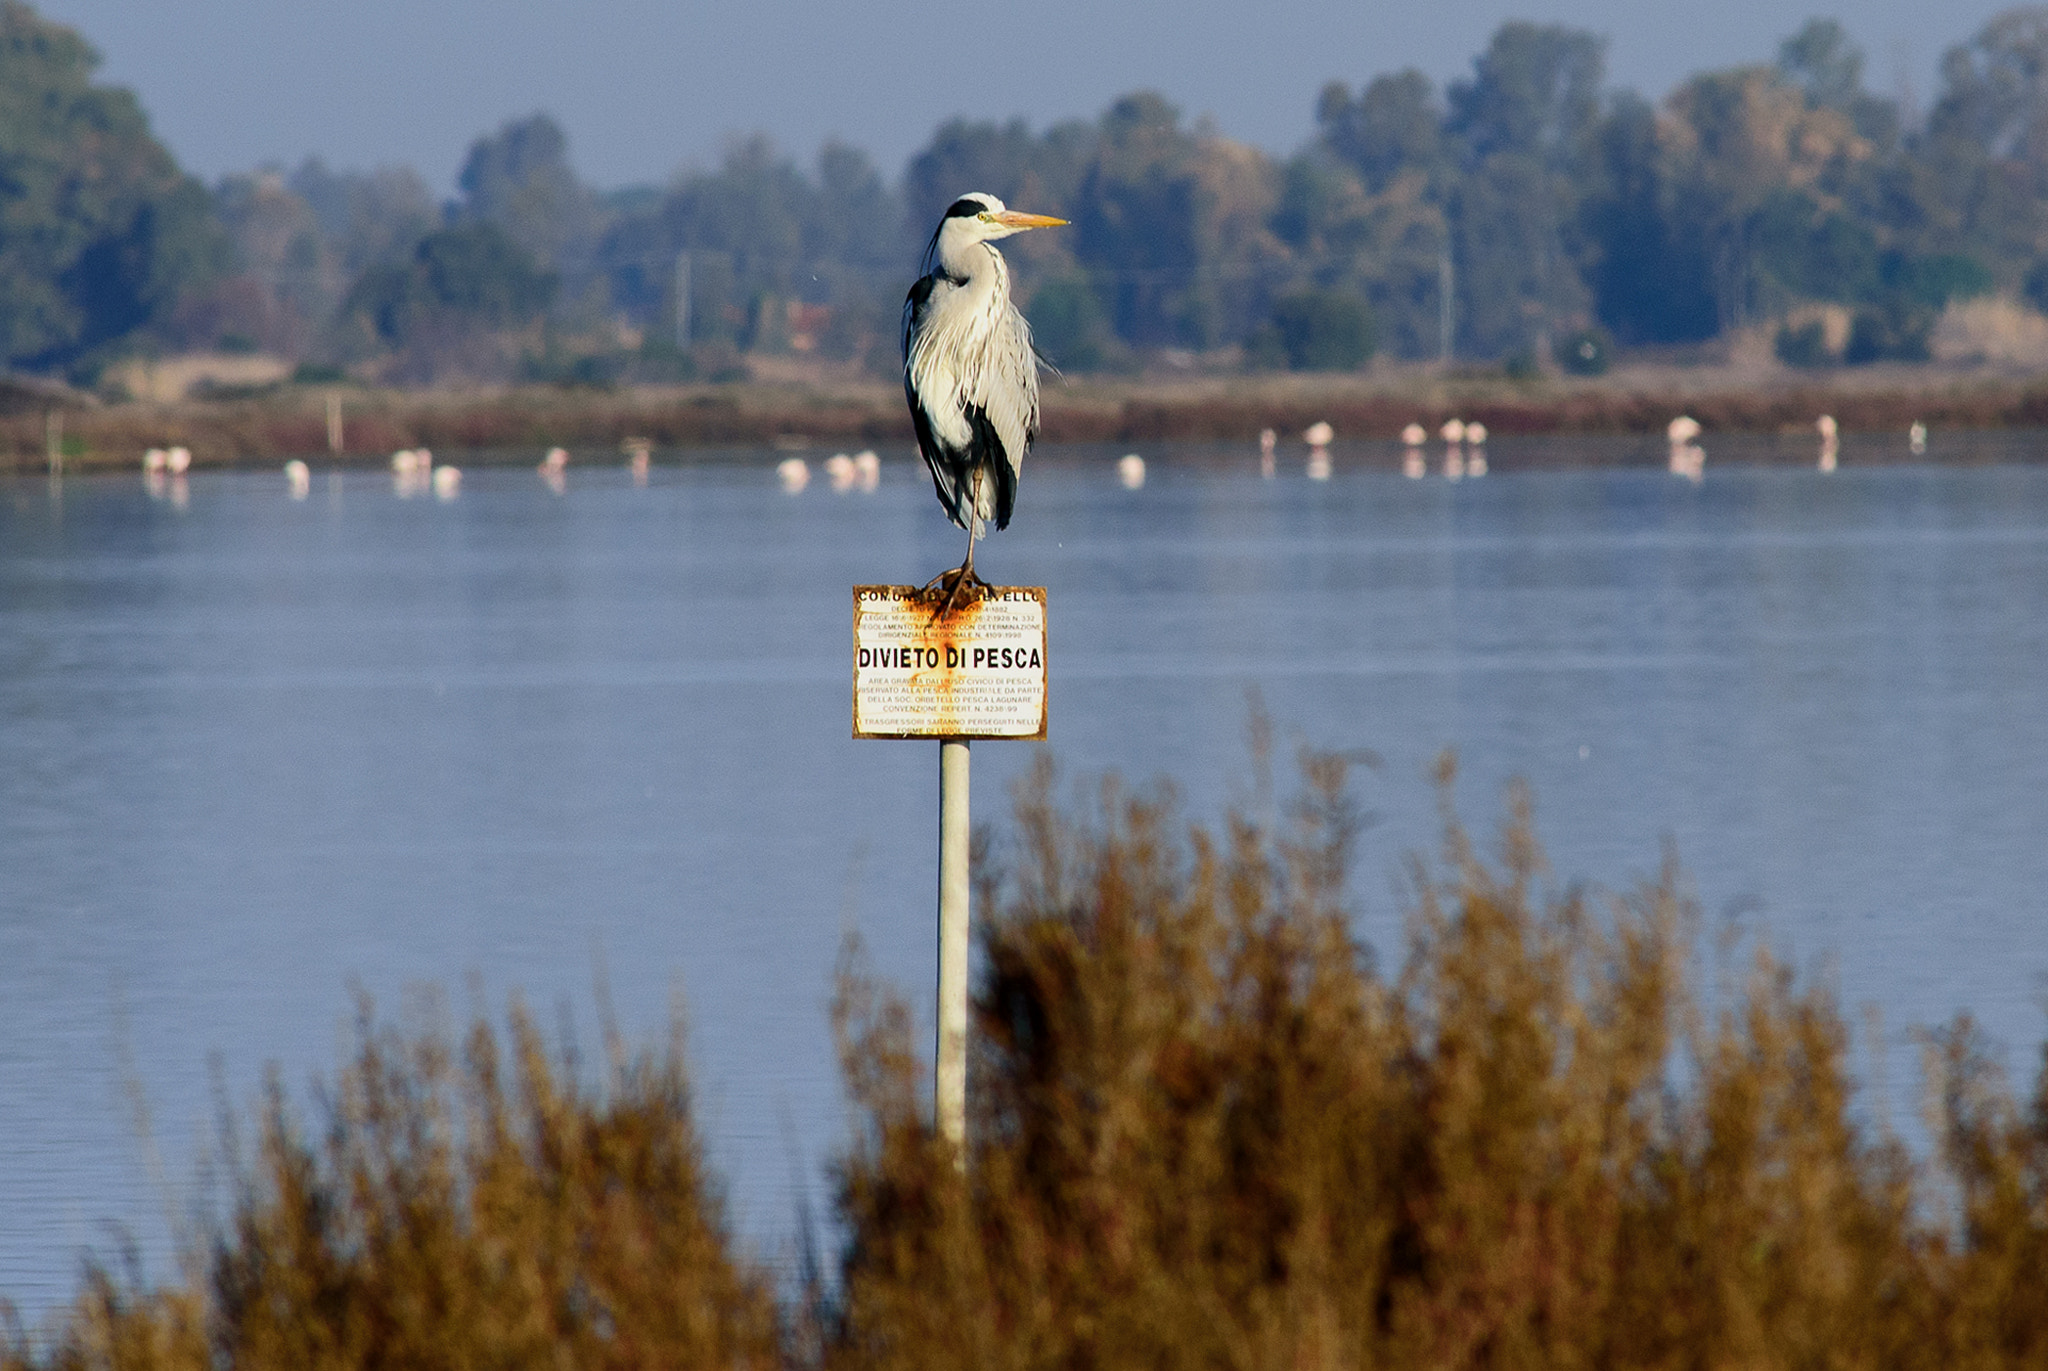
1210	1133
456	1208
1209	1129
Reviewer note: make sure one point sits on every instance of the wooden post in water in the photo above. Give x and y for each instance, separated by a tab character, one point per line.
53	440
334	421
950	1056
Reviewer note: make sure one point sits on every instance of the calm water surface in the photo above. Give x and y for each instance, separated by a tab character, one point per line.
255	752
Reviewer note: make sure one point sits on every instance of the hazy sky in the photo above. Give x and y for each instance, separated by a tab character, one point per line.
644	87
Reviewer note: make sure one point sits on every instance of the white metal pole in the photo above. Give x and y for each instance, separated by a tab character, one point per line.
950	1071
1446	305
683	300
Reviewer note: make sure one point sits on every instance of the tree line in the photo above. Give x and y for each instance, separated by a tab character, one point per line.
1529	214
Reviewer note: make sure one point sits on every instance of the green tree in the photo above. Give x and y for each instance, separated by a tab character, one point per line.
1822	61
1384	247
100	232
519	179
1534	91
1067	324
1980	177
1806	248
758	237
1755	182
1174	225
1135	225
856	219
744	227
1364	208
286	280
1393	128
1322	330
1526	127
366	217
1995	89
1649	283
469	277
859	256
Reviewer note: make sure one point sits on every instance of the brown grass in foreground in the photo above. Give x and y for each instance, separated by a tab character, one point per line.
466	1211
1208	1132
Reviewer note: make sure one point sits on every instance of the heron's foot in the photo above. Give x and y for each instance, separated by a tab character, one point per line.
954	588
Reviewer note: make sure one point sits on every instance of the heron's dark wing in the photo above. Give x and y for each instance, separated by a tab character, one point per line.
914	306
991	452
934	395
945	469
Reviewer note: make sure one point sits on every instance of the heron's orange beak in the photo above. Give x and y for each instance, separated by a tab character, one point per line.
1011	218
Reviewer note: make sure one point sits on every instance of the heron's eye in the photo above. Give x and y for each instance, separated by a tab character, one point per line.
985	217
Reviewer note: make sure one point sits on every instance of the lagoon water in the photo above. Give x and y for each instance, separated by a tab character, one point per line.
257	753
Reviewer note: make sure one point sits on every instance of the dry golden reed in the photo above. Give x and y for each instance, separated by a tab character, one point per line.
456	1209
1208	1131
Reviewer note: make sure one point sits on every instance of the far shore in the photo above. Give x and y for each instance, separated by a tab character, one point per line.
797	411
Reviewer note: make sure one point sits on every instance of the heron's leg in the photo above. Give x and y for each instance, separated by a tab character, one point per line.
958	582
952	586
973	523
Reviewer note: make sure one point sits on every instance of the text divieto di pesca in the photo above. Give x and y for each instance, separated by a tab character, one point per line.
952	658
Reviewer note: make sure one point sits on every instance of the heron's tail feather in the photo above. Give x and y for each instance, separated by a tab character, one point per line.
1005	498
977	483
952	484
996	493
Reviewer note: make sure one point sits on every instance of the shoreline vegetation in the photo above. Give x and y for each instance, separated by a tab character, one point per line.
1528	244
1209	1128
1809	245
818	409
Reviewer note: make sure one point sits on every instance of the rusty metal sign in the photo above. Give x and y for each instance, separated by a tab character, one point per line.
976	671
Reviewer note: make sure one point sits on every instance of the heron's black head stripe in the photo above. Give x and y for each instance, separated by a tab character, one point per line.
961	209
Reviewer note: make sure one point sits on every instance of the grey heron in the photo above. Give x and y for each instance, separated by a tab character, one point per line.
969	371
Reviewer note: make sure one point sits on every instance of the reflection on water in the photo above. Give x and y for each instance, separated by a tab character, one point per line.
257	750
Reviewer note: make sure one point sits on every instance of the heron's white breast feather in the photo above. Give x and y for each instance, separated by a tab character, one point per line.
968	346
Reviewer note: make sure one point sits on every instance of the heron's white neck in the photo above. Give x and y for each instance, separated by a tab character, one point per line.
972	261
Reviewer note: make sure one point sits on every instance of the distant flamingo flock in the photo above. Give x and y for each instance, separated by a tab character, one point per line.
414	471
